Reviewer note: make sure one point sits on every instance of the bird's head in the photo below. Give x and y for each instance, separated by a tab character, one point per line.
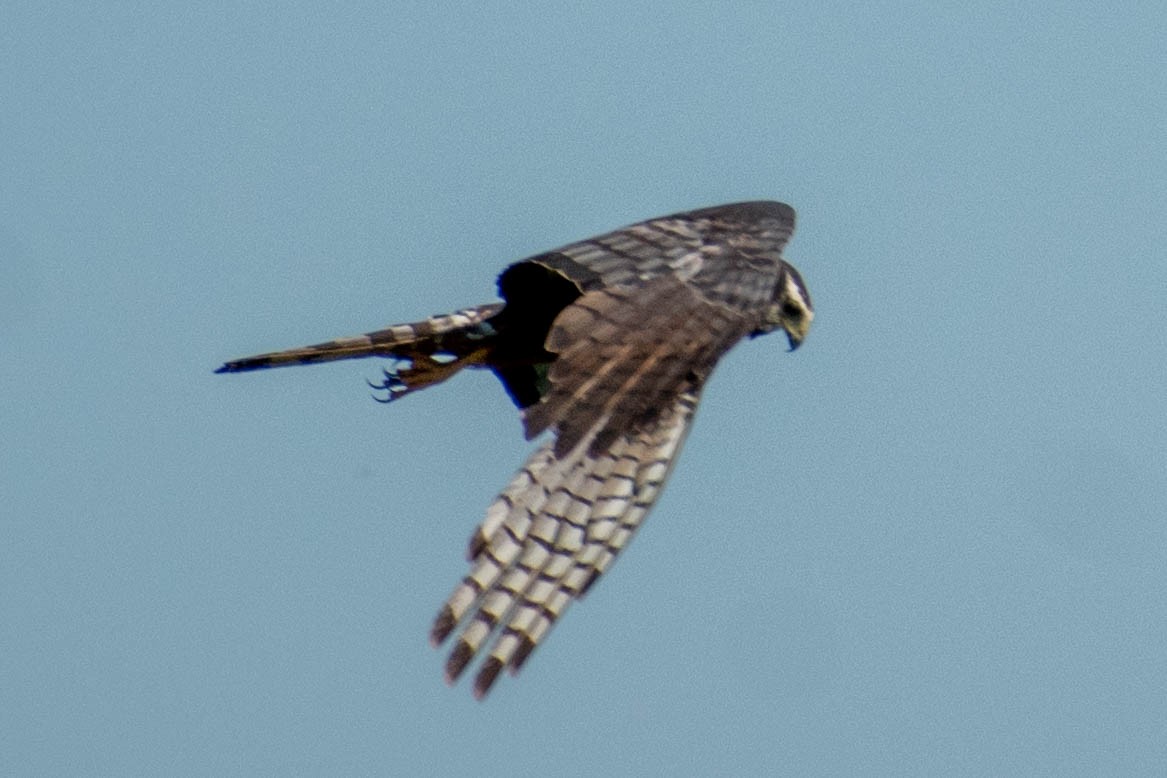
792	309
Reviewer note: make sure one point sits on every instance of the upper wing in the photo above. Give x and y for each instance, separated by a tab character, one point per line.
725	238
661	302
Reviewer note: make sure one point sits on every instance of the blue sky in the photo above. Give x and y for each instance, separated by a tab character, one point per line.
929	542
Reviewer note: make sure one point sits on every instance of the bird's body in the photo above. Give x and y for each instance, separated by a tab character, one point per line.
606	342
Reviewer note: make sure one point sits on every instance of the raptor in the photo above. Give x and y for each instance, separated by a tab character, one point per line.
605	344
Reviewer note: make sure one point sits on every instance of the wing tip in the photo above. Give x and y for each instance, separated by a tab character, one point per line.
487	674
526	646
457	661
443	625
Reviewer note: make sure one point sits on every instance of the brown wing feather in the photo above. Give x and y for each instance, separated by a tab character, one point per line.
622	355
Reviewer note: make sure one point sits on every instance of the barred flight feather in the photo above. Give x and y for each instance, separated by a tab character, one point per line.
557	527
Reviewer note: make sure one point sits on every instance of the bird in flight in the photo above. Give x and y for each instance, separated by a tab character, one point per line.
606	343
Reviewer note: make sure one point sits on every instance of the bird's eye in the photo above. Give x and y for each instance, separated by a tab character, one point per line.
791	310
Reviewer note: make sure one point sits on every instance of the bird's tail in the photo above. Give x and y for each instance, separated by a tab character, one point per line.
428	352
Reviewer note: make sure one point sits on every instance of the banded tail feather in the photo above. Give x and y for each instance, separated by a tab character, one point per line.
428	352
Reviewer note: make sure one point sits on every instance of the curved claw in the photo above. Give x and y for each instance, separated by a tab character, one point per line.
409	374
393	384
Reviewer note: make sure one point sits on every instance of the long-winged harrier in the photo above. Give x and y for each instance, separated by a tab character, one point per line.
607	343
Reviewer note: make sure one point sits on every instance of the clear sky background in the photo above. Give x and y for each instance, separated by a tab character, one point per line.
930	542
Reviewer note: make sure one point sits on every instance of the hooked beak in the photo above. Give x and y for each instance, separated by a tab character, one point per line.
796	334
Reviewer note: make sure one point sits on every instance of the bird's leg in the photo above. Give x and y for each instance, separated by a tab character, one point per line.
417	371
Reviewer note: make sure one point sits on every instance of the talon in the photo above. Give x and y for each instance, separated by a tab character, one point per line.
420	371
392	383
